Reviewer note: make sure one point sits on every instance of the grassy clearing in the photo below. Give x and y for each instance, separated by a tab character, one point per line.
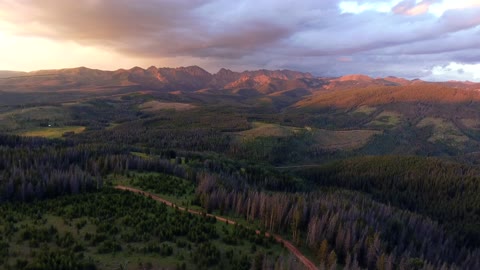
76	104
52	132
343	139
368	110
444	131
260	129
142	155
154	105
386	119
323	138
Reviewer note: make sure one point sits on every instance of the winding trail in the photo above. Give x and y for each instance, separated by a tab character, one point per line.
307	262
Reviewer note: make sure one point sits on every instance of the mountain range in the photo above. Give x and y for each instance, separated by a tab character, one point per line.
194	78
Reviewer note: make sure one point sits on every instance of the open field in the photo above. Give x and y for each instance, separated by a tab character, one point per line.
52	132
260	129
443	131
365	110
343	139
323	138
386	119
154	105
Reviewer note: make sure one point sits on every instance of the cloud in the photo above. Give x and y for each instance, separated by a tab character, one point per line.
356	7
442	6
403	38
456	71
412	8
166	28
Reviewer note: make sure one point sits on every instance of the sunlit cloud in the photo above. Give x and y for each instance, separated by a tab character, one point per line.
456	71
440	8
413	7
356	7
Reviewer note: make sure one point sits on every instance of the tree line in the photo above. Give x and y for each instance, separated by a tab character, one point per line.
355	230
446	191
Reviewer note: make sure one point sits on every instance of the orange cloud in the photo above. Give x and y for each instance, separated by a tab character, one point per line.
411	8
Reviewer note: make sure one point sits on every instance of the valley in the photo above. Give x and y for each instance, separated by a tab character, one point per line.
352	172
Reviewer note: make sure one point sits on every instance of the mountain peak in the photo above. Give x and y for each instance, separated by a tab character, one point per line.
223	71
195	70
152	68
355	77
136	69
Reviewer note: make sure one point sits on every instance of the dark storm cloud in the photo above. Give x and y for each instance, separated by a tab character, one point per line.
307	35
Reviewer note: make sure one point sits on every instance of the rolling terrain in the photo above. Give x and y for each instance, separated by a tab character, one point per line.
355	172
430	118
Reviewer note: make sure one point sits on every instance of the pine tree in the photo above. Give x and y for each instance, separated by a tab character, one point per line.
381	262
323	251
332	260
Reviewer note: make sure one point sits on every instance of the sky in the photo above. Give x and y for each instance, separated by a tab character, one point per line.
435	40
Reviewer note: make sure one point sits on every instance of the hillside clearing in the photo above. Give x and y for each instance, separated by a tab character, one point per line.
368	110
343	139
261	129
443	131
52	132
386	119
323	138
154	105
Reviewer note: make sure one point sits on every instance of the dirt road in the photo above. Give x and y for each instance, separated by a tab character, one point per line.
307	262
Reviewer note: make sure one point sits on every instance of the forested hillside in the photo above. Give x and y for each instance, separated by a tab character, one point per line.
445	191
356	172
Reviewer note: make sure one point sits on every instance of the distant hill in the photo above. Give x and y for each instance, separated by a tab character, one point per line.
380	95
7	74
